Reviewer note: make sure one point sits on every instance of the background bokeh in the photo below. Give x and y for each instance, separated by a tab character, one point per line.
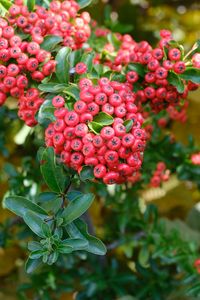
178	202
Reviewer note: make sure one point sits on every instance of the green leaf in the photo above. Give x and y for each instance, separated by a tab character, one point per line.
46	230
73	91
63	66
34	223
86	173
75	57
34	246
191	74
32	265
195	49
75	244
78	229
77	207
137	68
128	124
143	257
175	80
50	42
72	195
103	119
95	127
20	206
30	4
65	249
54	175
52	87
84	3
113	40
46	197
46	112
6	4
37	254
87	58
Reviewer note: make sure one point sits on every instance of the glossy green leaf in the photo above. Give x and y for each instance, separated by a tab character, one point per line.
6	3
77	207
78	229
191	74
86	173
50	42
37	254
137	68
87	58
72	195
84	3
103	119
63	65
75	244
20	206
176	81
53	174
128	124
30	4
95	127
34	223
46	112
73	91
32	265
52	87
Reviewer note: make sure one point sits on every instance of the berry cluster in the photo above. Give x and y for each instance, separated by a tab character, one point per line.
21	61
114	152
153	87
161	174
61	19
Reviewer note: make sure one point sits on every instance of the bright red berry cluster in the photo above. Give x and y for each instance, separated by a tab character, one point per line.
61	19
21	61
115	152
153	86
161	174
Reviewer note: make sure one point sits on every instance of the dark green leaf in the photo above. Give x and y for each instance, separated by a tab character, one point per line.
54	175
34	223
65	249
46	196
137	68
76	244
46	112
175	80
191	74
72	195
46	230
20	205
75	57
32	265
84	3
77	207
78	229
50	42
30	4
95	127
86	173
73	91
63	66
52	87
128	124
103	119
87	58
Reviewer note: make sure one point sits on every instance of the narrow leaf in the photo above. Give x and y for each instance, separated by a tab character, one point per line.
52	87
32	265
76	244
103	119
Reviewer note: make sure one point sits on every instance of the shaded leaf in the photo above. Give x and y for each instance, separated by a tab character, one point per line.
63	66
50	42
34	223
175	80
192	74
32	265
86	173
